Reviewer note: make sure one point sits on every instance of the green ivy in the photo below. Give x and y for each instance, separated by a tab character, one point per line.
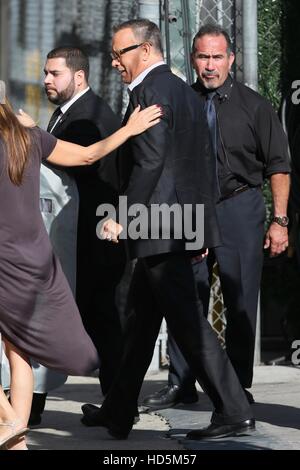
270	49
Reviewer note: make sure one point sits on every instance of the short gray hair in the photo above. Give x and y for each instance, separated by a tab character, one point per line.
144	30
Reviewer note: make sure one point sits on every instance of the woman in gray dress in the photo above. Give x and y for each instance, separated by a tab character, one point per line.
38	314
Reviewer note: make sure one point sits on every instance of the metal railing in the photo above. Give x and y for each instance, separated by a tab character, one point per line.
181	19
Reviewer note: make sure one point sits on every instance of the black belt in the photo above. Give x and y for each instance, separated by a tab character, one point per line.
237	191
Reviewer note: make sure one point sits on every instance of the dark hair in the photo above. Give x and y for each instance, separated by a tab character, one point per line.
144	30
76	59
212	30
17	143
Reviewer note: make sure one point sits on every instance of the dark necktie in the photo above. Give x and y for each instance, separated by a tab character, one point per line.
54	118
211	116
211	119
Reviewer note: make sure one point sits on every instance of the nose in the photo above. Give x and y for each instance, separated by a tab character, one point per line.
115	62
47	79
210	64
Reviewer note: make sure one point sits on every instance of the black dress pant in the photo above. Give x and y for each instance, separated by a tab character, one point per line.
101	319
165	283
240	260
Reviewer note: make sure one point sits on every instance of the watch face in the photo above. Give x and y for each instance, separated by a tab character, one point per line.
283	221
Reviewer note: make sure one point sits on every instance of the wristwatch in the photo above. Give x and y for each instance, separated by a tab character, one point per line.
281	220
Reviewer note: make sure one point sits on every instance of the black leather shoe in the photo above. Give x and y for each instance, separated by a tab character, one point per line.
169	396
96	419
249	396
89	408
93	416
217	431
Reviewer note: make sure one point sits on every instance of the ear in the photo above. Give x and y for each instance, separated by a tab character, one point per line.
231	59
146	48
79	77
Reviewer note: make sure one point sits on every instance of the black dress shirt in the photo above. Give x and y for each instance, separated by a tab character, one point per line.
251	141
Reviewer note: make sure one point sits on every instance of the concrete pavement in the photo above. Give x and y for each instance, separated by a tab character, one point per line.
276	390
61	427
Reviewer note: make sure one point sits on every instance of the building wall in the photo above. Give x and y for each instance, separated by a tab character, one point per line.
31	28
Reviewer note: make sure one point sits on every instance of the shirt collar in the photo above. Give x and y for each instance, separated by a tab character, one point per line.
223	91
64	108
142	75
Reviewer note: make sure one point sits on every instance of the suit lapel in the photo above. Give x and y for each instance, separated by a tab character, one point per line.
128	112
125	162
58	128
123	154
74	109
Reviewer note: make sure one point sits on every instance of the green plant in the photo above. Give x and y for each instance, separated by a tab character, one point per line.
270	16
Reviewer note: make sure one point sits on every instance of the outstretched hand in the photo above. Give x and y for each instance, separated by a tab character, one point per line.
140	121
25	119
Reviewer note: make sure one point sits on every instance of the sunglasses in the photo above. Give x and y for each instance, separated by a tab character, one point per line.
116	55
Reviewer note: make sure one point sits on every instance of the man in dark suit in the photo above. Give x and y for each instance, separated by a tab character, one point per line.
168	165
84	118
250	145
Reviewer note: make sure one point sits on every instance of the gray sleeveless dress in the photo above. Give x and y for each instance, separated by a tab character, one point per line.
38	313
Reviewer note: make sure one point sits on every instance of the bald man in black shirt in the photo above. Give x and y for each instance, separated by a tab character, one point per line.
249	145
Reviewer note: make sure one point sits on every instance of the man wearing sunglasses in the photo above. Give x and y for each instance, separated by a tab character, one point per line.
168	164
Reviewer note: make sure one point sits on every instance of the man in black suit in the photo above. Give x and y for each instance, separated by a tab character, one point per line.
250	145
84	118
170	164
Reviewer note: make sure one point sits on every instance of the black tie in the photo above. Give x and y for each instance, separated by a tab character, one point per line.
212	125
54	118
211	119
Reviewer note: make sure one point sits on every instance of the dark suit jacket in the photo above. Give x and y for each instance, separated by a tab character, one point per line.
87	121
172	162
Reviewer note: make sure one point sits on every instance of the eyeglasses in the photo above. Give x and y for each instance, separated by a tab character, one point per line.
116	55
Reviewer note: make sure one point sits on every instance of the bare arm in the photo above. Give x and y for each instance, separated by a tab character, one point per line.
68	154
277	236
